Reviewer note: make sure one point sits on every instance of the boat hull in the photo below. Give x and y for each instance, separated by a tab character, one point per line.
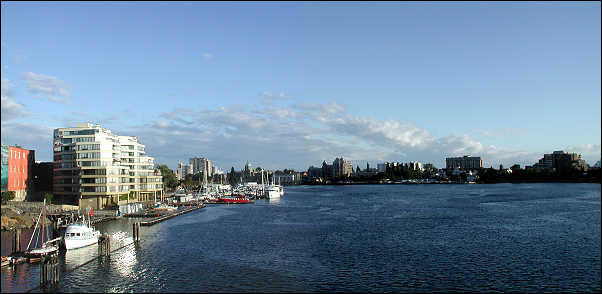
237	200
74	244
273	194
43	251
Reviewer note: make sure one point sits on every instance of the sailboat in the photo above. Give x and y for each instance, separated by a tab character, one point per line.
46	247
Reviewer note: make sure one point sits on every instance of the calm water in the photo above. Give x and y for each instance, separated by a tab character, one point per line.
402	238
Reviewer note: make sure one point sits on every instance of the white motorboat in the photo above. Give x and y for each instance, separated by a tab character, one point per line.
80	235
274	191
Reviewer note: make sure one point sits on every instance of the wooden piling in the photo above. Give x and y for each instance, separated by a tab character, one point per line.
138	231
17	241
42	274
134	232
104	245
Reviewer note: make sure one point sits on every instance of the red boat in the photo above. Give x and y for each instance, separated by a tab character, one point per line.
237	200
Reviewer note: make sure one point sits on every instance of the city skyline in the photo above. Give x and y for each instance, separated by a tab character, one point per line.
288	86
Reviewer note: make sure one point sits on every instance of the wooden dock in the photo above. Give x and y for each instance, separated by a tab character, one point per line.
166	217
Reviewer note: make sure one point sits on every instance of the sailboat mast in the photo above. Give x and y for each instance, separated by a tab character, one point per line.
43	221
34	230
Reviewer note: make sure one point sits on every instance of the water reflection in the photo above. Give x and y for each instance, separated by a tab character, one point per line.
126	261
274	201
18	278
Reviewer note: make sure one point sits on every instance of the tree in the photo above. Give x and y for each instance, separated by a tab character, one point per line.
7	195
188	181
48	197
169	178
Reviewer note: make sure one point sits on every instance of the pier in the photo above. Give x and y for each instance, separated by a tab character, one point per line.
166	217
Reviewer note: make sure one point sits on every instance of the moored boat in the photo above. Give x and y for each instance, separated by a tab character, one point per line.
46	246
234	200
80	235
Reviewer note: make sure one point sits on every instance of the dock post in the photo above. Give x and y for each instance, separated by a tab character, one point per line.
138	231
134	231
17	241
43	273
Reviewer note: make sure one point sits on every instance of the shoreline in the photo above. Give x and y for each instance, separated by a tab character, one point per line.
454	183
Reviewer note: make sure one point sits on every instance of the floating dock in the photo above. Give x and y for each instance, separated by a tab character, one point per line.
166	217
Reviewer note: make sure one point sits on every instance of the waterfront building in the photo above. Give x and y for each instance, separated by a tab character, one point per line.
201	164
286	179
414	165
465	162
381	167
17	165
341	168
94	168
42	178
314	172
561	161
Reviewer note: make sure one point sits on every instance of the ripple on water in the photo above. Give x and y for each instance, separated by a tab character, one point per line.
389	238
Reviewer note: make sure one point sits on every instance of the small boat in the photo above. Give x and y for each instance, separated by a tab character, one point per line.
162	207
80	235
234	200
274	191
46	248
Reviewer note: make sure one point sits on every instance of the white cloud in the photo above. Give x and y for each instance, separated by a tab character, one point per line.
304	134
48	87
286	136
10	109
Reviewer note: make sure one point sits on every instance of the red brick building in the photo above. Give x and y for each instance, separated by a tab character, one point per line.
20	164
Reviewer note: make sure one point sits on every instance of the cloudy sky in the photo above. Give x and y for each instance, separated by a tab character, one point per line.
288	85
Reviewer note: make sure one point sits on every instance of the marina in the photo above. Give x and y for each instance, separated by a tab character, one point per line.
352	239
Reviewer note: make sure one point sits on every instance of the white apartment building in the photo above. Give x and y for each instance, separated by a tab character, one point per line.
95	168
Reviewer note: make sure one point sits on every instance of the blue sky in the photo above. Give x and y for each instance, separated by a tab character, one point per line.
287	85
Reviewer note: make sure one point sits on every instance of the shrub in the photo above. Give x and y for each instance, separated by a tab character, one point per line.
7	195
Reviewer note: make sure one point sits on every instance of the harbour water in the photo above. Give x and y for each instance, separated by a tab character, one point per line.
363	238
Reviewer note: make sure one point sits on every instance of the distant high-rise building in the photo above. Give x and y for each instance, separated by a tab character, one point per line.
201	164
414	165
561	161
183	171
341	168
464	162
